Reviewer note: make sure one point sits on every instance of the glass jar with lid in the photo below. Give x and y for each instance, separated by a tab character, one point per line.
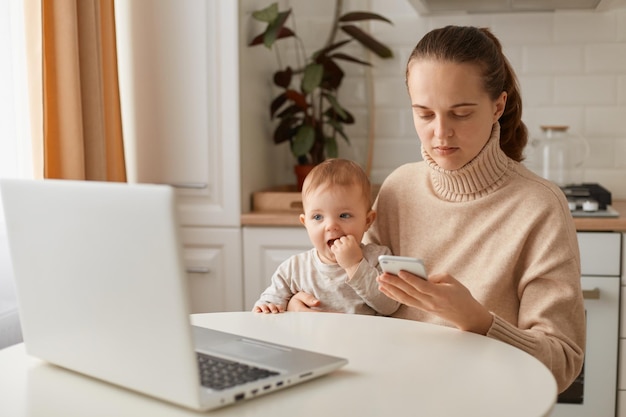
558	155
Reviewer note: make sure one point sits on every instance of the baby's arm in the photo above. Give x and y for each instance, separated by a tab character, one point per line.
273	300
365	285
275	297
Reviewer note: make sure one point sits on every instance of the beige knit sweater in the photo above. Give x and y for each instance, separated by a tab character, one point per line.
507	235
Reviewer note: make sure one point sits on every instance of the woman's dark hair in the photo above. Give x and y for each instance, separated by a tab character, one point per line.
468	44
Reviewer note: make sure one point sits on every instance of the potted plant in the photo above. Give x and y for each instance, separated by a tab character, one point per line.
307	108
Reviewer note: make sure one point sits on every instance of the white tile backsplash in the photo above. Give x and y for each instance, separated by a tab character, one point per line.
609	58
620	156
607	122
537	90
587	90
522	28
552	59
571	66
621	89
603	150
621	27
585	27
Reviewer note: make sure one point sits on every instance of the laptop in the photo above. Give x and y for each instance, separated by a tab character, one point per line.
102	290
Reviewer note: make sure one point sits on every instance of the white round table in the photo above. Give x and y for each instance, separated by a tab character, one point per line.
396	368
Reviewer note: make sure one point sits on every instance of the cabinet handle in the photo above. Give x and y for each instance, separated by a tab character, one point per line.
198	270
191	185
593	294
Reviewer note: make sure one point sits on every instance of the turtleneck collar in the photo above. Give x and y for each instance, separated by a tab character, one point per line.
482	175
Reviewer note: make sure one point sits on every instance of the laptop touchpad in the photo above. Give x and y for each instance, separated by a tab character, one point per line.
249	349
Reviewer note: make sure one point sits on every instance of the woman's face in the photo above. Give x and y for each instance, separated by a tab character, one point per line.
452	113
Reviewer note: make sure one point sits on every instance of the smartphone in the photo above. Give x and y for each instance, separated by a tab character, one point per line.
394	264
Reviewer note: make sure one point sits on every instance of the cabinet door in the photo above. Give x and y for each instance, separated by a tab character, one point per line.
600	253
621	393
265	248
213	262
178	74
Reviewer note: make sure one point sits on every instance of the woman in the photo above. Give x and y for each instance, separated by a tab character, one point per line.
498	241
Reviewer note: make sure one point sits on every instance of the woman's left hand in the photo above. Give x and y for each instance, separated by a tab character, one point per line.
303	301
440	294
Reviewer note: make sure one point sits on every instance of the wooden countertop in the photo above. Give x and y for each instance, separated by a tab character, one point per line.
617	224
271	218
290	218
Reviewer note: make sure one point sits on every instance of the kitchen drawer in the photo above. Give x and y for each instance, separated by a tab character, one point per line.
600	253
213	261
264	249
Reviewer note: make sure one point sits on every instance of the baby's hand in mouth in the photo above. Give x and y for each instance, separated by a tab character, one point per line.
331	242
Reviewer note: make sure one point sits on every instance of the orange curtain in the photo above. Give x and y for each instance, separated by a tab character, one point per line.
82	128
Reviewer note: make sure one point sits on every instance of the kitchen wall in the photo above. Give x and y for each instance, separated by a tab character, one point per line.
571	67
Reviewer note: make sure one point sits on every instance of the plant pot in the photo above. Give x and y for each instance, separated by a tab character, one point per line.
301	172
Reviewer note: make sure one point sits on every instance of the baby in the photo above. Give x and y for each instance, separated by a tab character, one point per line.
339	270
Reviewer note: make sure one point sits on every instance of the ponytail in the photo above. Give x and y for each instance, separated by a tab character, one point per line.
513	132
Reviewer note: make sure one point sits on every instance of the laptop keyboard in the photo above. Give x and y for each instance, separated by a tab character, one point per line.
218	374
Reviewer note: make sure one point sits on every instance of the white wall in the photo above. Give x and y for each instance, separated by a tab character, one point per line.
571	66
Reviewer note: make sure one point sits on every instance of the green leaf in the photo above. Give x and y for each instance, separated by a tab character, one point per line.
335	104
346	57
331	114
312	78
367	41
332	150
329	48
274	28
268	15
339	129
358	16
303	142
283	33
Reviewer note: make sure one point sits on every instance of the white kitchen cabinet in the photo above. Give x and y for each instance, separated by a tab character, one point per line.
601	254
179	92
596	388
213	268
264	248
621	383
178	70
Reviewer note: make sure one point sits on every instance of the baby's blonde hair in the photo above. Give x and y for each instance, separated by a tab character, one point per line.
338	172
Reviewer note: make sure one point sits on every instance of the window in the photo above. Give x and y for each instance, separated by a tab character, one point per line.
15	146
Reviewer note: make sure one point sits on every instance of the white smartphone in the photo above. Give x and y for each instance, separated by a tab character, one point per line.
394	264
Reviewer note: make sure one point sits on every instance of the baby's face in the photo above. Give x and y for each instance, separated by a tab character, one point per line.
333	212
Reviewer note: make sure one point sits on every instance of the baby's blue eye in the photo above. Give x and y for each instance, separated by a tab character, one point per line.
345	215
317	217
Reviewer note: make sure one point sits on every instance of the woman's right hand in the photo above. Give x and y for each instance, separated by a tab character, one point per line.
303	301
441	295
